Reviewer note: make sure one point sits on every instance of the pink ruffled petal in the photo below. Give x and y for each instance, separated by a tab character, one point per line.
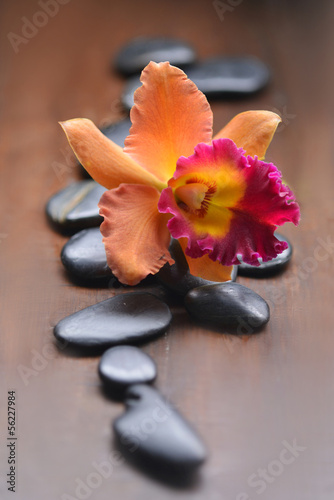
242	212
247	239
179	226
205	268
266	197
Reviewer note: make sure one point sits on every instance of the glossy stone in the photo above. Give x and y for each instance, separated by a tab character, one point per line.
75	207
139	52
229	75
270	268
218	77
154	433
126	365
131	85
118	131
228	305
84	255
127	318
177	277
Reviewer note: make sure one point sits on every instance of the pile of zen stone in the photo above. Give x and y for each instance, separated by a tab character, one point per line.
151	432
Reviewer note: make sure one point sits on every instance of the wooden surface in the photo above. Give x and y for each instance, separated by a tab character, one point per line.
247	396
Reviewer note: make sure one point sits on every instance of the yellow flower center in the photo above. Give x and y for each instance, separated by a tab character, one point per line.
193	197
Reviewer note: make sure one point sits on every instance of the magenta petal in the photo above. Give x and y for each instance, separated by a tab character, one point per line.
265	204
248	239
178	226
266	198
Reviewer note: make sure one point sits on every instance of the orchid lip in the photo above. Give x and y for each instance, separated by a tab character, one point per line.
212	200
227	205
194	196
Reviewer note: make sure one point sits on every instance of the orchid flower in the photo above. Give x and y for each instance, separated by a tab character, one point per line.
217	196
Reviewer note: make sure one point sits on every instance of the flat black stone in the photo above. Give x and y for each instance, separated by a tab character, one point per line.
228	305
177	277
84	255
270	268
126	365
133	57
118	131
75	207
128	318
222	77
153	433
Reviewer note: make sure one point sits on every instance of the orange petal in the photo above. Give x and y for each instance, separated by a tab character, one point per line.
135	234
205	268
169	118
252	131
103	159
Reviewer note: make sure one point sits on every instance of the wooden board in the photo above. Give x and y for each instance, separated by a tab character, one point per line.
250	398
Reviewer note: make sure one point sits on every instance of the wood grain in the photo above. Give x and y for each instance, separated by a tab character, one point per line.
248	395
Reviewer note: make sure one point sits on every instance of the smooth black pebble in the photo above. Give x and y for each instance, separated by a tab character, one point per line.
228	305
118	131
229	75
75	207
221	77
84	256
126	365
271	267
133	57
155	435
177	277
126	318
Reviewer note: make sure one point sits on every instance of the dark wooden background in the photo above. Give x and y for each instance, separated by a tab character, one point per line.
246	396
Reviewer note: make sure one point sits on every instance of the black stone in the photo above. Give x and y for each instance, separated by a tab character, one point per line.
154	434
228	305
139	52
118	131
75	207
127	98
84	255
221	77
125	365
127	318
177	277
270	268
229	75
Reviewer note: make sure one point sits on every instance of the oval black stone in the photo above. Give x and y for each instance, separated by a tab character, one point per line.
127	98
75	207
84	255
118	131
271	267
125	365
222	77
228	305
128	318
139	52
177	277
152	433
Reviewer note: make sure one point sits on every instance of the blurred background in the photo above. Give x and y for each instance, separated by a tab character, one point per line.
246	396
